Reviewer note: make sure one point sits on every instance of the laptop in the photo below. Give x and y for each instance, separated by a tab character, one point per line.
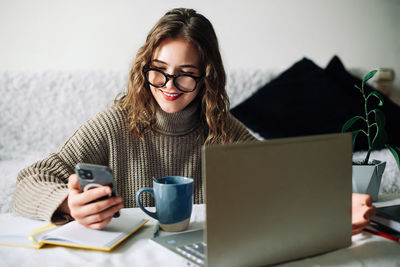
272	201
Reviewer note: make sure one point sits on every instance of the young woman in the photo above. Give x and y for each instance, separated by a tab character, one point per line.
175	103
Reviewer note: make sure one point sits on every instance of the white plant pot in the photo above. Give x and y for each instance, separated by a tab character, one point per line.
367	178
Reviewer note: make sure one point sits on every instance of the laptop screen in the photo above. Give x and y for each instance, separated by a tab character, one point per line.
273	201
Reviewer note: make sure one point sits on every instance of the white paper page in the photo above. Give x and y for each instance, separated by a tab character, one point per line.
15	230
75	233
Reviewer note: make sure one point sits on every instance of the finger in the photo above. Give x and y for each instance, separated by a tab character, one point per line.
100	225
73	184
98	218
360	224
92	195
361	199
368	200
100	206
370	213
74	191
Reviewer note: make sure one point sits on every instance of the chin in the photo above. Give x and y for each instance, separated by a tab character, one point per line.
171	109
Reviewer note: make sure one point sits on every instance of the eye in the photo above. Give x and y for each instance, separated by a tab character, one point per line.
192	72
159	68
187	72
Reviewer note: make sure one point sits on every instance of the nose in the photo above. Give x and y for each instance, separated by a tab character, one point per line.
170	84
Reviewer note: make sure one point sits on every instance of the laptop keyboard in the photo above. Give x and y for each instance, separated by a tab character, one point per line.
194	251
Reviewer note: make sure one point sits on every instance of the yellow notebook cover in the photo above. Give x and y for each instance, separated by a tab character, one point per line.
24	232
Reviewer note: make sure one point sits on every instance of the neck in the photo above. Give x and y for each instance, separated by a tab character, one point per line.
178	123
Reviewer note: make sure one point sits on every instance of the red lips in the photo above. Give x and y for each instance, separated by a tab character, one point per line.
171	97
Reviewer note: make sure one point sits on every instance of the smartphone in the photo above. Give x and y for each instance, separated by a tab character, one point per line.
93	175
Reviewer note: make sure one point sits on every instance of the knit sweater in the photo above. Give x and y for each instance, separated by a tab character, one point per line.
171	147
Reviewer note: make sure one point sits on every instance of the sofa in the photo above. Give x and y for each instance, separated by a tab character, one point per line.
39	110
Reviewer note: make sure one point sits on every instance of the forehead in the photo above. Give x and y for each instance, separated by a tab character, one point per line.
176	52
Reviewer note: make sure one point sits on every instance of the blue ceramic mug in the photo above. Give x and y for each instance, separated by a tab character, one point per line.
173	197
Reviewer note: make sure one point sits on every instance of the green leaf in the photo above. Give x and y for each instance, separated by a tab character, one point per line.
396	154
368	76
380	117
350	123
377	95
354	135
380	138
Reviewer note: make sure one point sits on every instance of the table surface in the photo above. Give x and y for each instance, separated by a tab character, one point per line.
138	250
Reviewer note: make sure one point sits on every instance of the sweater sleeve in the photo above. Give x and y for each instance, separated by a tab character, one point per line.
239	131
42	187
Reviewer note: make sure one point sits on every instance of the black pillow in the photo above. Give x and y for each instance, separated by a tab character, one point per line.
301	101
307	100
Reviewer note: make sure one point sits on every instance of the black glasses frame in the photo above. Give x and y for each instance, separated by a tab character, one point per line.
174	77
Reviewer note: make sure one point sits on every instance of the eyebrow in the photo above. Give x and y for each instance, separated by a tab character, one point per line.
182	66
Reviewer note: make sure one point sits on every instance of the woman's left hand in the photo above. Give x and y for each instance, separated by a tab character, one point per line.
362	212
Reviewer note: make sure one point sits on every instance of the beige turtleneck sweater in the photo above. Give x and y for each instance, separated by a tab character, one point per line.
171	147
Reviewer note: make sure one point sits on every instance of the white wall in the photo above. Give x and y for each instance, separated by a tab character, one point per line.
270	34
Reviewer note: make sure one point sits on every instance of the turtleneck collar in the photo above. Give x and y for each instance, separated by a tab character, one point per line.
178	123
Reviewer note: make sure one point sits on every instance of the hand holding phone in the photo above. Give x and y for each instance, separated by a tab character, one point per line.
92	176
86	208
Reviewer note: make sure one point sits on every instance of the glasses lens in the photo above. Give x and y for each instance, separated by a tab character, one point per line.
156	78
185	83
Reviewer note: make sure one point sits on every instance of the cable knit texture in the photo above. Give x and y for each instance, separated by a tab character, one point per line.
171	147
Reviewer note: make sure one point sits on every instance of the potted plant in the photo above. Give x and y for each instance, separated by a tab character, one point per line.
367	174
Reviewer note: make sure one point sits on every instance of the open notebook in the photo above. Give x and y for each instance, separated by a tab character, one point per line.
24	232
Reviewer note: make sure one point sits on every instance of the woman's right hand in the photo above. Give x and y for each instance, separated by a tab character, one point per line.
84	208
362	212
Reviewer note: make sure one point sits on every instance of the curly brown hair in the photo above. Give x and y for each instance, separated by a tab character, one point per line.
139	103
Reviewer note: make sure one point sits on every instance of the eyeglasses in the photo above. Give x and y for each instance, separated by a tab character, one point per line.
183	82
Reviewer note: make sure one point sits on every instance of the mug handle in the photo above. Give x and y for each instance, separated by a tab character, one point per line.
138	193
